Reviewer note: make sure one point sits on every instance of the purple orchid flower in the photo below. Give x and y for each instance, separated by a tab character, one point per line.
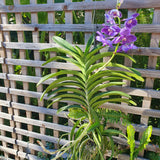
111	30
126	47
115	13
109	19
125	37
105	41
113	34
131	21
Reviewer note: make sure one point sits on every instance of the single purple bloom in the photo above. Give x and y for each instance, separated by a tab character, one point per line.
111	30
126	47
131	38
103	39
115	13
125	31
109	19
117	40
124	39
131	21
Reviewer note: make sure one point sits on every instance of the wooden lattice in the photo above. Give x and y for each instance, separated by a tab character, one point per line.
24	119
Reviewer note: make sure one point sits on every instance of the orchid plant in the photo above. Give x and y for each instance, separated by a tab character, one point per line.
90	138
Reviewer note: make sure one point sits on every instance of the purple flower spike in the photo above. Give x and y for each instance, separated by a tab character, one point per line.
103	39
131	22
115	13
111	30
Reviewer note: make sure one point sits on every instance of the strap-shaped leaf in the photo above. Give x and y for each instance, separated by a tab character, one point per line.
145	139
98	88
74	128
70	95
109	93
89	43
94	51
62	50
104	100
134	72
68	107
79	51
103	73
128	56
133	75
94	67
55	85
93	127
62	72
63	43
71	60
68	99
131	139
92	85
97	57
112	132
67	89
80	130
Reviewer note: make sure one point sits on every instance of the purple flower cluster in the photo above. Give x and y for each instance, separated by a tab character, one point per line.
113	34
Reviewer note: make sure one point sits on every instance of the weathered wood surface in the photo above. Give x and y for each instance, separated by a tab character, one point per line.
141	51
110	4
147	28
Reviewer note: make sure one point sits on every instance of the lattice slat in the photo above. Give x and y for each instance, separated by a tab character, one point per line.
51	20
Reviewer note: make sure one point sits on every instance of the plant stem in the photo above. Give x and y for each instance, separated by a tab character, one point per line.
106	63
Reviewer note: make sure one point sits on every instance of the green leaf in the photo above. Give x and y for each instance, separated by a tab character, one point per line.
73	128
94	58
68	107
134	72
67	99
94	51
69	95
79	51
112	132
109	73
109	93
62	50
77	113
98	88
71	60
130	139
89	43
63	79
132	75
98	81
104	100
62	72
93	67
67	89
145	139
63	43
126	55
80	130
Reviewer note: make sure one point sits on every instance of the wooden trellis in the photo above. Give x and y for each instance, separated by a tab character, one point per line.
21	121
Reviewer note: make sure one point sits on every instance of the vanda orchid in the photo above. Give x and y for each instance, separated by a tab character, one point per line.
87	91
112	33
